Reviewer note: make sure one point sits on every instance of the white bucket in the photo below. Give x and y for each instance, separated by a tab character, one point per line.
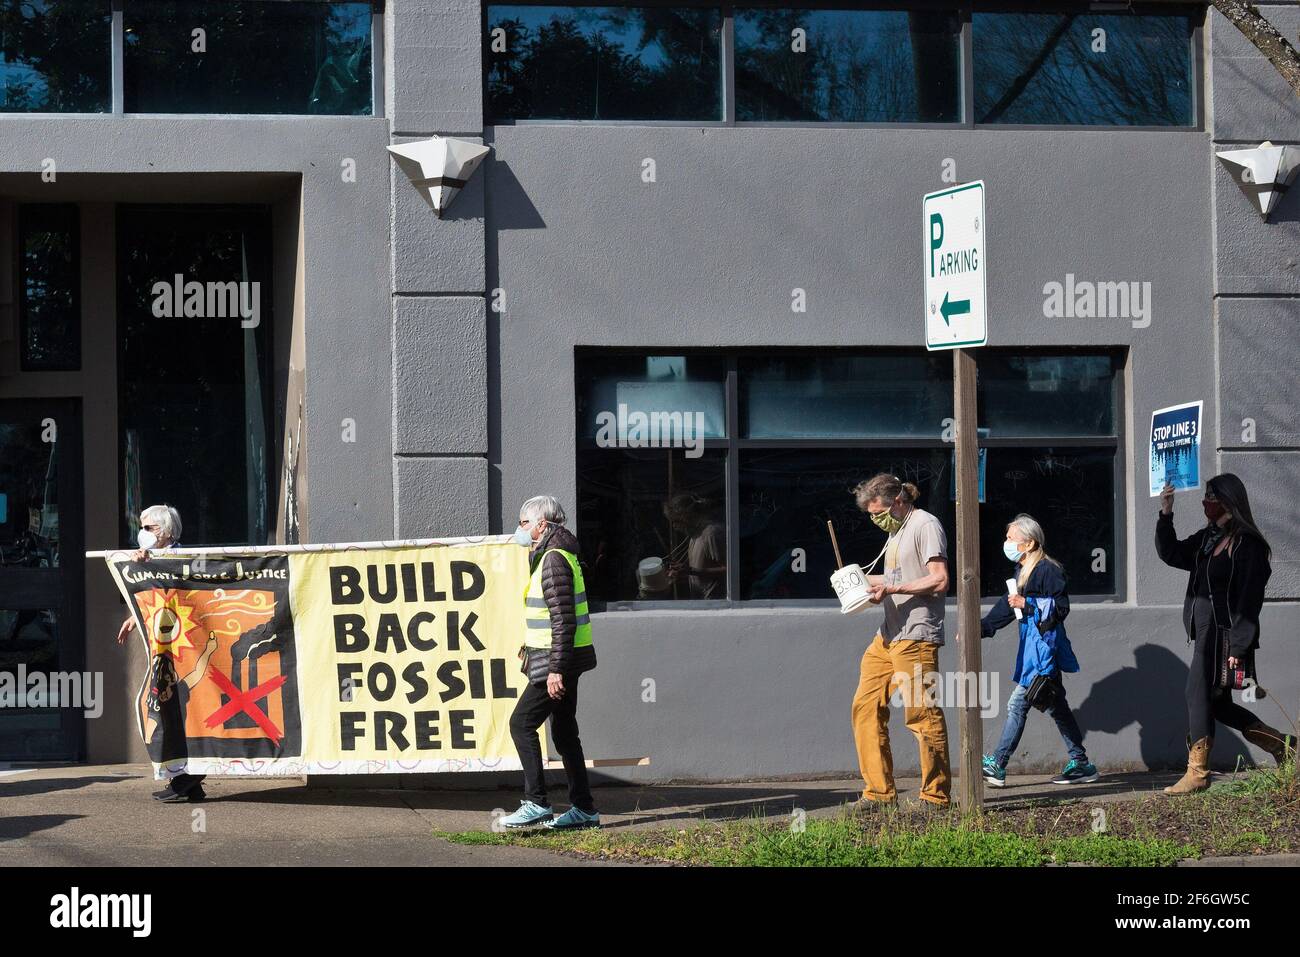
651	575
850	584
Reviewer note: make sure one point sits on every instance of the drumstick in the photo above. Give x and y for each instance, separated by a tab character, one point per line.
839	562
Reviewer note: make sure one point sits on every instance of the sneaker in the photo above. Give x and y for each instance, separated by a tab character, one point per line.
573	819
184	797
527	815
995	775
1077	772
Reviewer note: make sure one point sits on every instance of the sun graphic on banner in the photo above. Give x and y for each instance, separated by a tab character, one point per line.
170	623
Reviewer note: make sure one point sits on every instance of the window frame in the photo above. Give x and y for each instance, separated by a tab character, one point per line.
733	444
965	11
117	74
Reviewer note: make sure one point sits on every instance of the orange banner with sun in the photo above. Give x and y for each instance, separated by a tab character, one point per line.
336	661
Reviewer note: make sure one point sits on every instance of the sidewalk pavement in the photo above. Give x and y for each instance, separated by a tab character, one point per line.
102	815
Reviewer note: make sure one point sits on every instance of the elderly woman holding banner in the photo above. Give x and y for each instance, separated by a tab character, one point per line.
160	530
557	649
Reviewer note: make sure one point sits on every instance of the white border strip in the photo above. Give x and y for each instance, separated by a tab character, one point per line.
296	767
234	550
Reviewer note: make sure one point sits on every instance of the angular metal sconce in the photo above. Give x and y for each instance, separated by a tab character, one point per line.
1263	173
439	167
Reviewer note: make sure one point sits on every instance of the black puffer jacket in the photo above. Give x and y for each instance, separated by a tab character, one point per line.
557	589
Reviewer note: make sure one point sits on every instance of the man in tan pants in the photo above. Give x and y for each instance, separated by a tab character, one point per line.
904	654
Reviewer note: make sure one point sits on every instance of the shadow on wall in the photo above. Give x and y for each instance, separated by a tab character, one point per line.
1151	695
508	205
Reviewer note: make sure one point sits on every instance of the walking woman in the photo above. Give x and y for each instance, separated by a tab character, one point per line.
1229	564
168	697
1044	652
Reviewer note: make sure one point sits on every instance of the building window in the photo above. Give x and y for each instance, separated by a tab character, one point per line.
247	56
603	63
1084	69
886	63
194	368
49	287
848	66
56	56
691	464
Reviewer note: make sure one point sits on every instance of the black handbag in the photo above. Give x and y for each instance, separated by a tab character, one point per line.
1042	692
1233	679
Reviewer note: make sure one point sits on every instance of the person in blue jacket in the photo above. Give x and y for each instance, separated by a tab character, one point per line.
1044	650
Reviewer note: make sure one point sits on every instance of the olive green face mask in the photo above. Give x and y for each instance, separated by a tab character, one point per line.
886	522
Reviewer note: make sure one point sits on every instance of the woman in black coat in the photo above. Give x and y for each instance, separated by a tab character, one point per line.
1229	564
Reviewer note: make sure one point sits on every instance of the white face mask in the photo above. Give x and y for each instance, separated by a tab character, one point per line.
146	538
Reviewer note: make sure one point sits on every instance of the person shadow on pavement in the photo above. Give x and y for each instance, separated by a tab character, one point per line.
1150	693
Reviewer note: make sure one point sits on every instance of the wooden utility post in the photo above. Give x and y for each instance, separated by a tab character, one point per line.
968	578
953	229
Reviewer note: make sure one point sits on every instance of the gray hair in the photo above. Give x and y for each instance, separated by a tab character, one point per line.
546	507
168	519
1028	526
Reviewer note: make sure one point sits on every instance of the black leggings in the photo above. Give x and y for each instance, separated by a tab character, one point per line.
1205	703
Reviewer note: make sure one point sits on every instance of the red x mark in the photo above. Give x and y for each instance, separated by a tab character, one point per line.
245	701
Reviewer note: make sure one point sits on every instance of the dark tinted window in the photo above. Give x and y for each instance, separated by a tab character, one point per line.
603	63
788	495
1089	69
49	288
247	57
651	524
194	373
55	56
1071	491
860	66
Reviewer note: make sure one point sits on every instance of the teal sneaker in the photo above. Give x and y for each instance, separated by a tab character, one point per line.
528	815
994	774
1078	772
573	819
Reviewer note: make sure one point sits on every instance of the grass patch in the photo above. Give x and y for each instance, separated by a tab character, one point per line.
1253	812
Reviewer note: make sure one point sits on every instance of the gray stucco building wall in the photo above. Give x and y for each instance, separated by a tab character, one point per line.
462	409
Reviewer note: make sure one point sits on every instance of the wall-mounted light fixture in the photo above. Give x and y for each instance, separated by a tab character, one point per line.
1263	173
439	167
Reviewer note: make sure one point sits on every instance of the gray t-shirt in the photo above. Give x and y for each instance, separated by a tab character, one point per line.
918	617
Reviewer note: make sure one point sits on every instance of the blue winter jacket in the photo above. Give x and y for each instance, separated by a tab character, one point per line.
1044	646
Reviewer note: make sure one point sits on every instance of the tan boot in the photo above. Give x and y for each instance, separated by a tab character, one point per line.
1268	739
1197	776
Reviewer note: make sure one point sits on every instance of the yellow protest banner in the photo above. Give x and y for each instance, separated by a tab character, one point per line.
393	657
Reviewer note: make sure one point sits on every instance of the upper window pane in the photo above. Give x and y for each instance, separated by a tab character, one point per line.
603	63
651	401
251	57
49	288
799	397
848	66
1030	395
1108	70
56	56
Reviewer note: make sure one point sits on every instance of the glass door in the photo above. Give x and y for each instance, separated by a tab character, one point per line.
42	615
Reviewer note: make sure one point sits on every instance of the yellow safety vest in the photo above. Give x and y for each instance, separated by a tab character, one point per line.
537	617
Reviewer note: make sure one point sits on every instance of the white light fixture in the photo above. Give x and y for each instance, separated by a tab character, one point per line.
439	167
1263	173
